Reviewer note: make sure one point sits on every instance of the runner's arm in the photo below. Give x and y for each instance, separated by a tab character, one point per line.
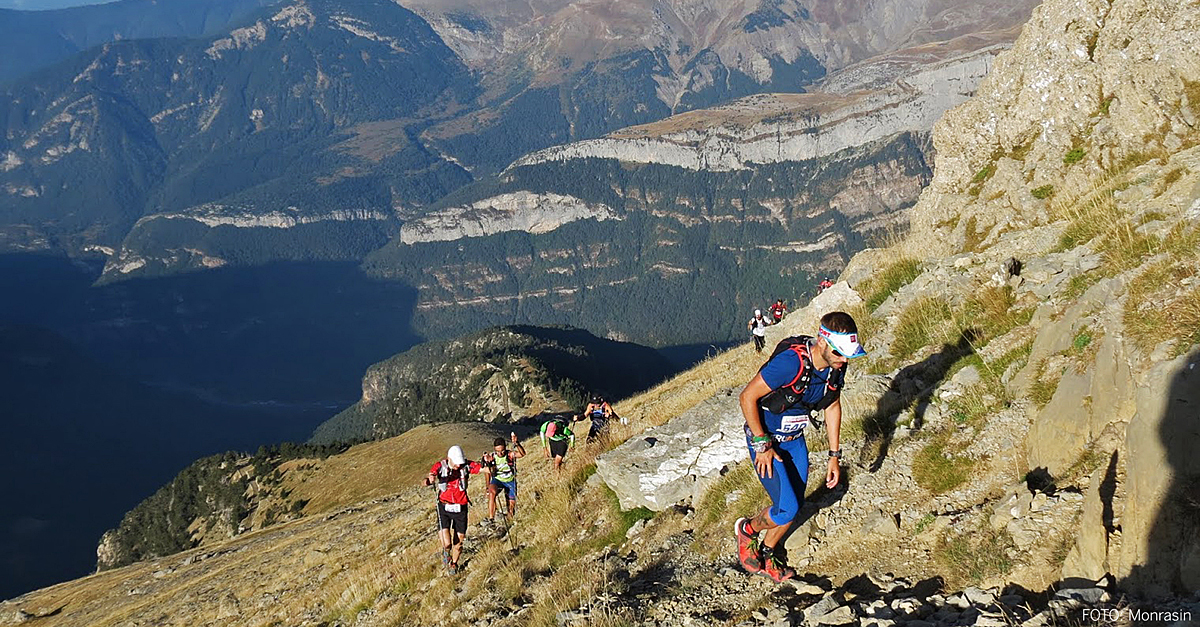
748	399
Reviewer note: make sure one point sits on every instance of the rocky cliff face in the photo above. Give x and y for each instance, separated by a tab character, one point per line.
518	211
191	240
1114	81
794	127
1084	131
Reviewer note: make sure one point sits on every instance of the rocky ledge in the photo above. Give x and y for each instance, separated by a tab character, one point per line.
517	211
773	128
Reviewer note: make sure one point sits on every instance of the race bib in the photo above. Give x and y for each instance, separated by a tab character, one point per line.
452	507
792	424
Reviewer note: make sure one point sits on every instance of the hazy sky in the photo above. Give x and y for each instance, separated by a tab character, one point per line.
37	5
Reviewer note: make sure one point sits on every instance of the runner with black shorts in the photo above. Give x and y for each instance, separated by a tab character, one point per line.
450	476
557	439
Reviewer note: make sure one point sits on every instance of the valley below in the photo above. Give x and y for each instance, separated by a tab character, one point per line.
111	391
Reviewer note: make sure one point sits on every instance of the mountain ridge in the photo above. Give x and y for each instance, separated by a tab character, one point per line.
503	374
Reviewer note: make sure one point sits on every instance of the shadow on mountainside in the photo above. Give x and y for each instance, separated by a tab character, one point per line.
1171	567
913	387
109	390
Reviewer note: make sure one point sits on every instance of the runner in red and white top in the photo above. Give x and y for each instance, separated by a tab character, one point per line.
451	475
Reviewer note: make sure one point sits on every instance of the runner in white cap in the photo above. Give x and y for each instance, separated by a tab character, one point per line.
758	330
450	477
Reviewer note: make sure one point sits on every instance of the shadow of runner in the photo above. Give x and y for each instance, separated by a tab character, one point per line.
913	387
1171	565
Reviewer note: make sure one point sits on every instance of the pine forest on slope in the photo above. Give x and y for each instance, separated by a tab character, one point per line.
501	374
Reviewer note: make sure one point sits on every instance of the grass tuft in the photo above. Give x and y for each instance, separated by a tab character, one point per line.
1192	90
974	405
1019	152
1075	155
923	322
980	178
1080	284
1159	307
971	558
1099	221
973	236
888	280
1044	385
1043	192
992	311
938	470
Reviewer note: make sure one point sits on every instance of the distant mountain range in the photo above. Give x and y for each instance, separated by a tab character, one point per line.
320	130
32	40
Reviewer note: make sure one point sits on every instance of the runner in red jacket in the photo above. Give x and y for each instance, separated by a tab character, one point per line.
450	476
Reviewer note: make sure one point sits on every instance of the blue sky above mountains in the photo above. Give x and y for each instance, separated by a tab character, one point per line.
43	5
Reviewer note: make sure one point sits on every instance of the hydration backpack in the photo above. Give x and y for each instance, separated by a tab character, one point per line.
510	456
787	396
561	430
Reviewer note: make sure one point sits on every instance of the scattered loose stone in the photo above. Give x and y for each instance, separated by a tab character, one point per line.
840	616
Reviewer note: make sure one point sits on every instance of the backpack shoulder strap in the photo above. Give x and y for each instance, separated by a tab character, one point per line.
802	353
837	377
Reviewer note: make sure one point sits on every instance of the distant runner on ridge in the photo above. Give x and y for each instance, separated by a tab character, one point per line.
778	311
804	375
758	330
600	412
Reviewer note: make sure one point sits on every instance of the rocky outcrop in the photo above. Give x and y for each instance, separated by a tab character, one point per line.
518	211
191	239
1109	80
213	215
677	462
1092	110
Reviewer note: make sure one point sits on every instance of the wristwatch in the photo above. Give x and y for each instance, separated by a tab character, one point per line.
837	453
760	443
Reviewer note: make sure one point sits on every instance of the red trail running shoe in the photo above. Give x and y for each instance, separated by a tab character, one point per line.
747	547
